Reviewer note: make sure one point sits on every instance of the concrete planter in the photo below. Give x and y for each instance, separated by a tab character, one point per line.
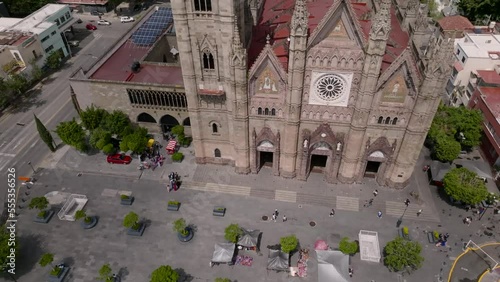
61	275
186	238
45	219
91	224
219	211
138	232
172	207
127	202
403	235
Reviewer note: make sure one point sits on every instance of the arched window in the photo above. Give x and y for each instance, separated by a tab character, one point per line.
273	112
203	5
186	122
259	111
266	112
387	120
394	121
208	60
217	153
380	119
215	128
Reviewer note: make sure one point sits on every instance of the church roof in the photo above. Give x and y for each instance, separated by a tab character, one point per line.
277	15
455	23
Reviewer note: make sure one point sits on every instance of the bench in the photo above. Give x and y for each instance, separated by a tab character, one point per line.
430	237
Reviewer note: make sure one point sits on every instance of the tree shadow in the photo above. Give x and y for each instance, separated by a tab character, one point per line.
193	227
30	251
68	261
183	276
28	101
123	273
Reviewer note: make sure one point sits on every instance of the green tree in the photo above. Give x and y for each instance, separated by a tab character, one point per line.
17	83
116	123
222	280
131	220
289	243
6	244
39	203
402	254
54	60
109	149
92	117
135	142
97	135
47	259
477	10
5	93
72	134
36	71
348	247
446	149
463	185
178	130
44	134
164	273
180	226
232	232
105	273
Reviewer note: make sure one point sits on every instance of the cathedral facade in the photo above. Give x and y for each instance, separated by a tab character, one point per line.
348	89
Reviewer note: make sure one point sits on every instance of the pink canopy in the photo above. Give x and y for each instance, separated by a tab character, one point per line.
320	245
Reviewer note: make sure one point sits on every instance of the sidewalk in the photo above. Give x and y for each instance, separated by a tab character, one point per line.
223	179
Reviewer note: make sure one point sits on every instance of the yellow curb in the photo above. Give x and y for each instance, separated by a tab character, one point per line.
466	251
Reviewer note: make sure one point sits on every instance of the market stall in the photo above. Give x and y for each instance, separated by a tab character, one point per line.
278	260
332	266
171	147
249	239
223	253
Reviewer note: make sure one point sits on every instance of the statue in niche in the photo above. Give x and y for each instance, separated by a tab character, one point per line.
305	143
339	146
267	83
395	89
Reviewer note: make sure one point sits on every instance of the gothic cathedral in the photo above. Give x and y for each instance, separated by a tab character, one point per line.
341	87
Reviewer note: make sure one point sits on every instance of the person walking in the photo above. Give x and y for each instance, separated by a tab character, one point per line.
276	213
379	214
419	212
274	217
332	213
284	218
375	193
350	272
407	202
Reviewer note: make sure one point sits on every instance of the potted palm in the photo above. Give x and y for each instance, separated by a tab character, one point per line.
173	205
105	274
184	232
58	272
126	200
135	228
41	204
87	221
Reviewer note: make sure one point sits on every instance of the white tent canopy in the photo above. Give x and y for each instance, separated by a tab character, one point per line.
223	252
368	246
332	266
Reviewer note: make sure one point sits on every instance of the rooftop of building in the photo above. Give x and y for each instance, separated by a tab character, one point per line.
489	76
479	45
36	22
84	2
455	23
138	43
12	38
276	17
491	96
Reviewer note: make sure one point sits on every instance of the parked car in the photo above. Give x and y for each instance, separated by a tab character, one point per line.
74	43
119	159
103	22
79	21
90	26
96	13
126	19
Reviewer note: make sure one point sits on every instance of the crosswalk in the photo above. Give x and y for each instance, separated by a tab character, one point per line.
389	208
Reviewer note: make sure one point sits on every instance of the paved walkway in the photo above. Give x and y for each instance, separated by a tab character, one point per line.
473	262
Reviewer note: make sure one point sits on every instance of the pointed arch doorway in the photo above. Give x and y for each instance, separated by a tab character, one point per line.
167	122
265	154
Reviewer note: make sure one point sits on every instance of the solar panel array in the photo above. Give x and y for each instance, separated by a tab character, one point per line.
150	30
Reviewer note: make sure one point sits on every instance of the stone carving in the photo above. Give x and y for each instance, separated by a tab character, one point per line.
395	91
339	146
267	82
305	143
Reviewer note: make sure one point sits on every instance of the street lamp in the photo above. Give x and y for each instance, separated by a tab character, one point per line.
32	167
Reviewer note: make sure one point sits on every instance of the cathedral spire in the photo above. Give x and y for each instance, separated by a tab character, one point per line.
422	22
300	19
381	24
440	56
236	34
239	53
412	7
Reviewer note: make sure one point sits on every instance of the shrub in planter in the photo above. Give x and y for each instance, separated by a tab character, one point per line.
39	203
105	273
81	214
173	203
47	259
164	273
348	247
232	232
436	235
181	227
124	197
222	280
405	231
289	243
177	156
131	220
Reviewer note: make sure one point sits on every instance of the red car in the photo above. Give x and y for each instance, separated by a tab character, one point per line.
90	26
119	159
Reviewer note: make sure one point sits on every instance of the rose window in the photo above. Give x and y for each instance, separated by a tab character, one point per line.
330	87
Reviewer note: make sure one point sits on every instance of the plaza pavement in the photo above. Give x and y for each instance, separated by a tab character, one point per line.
247	198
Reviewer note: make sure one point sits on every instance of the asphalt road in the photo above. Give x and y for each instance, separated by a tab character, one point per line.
51	102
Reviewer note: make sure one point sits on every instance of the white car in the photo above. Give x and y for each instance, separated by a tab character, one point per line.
126	19
103	22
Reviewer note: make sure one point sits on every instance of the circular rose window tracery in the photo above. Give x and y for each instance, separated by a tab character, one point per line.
330	87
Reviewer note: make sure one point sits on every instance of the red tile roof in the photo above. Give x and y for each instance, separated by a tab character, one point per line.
85	2
455	23
276	17
489	76
492	99
158	74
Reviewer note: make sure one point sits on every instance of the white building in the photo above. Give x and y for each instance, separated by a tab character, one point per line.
472	52
48	24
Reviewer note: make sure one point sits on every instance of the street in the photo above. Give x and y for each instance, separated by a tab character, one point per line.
51	102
